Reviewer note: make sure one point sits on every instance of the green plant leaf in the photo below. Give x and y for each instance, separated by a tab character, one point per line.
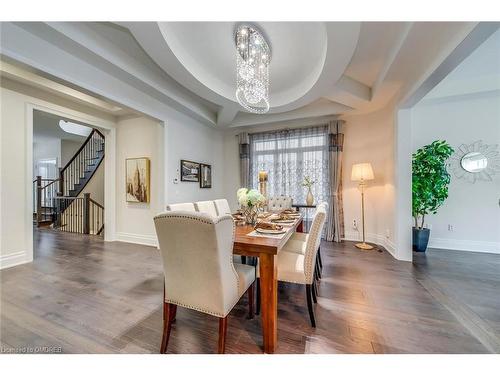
430	179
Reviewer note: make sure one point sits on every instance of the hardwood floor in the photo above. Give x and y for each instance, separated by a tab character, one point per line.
88	296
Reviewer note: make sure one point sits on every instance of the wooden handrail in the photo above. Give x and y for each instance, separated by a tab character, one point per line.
47	179
81	148
97	204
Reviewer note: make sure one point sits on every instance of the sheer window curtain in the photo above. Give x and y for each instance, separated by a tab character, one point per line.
288	156
243	141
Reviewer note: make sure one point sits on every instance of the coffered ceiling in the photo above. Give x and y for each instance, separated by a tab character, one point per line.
318	69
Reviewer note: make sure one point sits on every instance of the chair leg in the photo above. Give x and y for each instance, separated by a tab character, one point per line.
310	305
257	307
250	300
169	311
222	334
314	292
320	260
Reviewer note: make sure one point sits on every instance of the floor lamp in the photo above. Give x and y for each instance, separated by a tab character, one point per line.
362	172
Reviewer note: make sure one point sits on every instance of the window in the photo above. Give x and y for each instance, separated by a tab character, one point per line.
288	156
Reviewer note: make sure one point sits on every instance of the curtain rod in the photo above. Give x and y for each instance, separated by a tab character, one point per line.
285	129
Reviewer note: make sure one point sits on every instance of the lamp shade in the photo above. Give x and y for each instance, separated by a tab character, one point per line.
362	172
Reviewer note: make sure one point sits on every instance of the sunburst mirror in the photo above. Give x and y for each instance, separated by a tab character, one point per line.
475	162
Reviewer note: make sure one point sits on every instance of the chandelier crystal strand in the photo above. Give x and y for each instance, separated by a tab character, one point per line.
253	56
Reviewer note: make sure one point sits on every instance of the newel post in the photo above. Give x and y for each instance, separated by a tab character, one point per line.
61	181
38	199
86	213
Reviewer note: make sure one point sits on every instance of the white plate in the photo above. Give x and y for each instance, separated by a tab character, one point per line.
270	231
277	221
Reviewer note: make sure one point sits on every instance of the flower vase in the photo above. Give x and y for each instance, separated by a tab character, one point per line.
309	198
250	214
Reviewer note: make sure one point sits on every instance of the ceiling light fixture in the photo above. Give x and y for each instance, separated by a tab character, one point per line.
77	129
252	73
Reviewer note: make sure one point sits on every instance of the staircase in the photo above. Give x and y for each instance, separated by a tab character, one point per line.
57	202
80	169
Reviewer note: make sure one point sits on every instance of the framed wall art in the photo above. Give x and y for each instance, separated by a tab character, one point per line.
190	171
205	176
137	179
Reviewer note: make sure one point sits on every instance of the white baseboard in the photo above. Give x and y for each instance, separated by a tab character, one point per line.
141	239
15	259
464	245
377	239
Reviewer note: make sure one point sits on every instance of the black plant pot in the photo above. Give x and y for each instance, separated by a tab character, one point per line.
420	239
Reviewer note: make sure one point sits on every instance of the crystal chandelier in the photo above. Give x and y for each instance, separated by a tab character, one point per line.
253	56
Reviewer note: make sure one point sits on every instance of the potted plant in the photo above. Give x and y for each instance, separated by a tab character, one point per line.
308	183
430	181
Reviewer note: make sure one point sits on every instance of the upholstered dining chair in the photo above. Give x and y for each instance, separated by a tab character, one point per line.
181	207
299	248
222	207
207	207
279	203
199	273
297	259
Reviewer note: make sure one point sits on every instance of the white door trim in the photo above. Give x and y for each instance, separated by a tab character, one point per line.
108	129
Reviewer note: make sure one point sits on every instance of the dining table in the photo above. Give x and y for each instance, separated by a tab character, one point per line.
266	249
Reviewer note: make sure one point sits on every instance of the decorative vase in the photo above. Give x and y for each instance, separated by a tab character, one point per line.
420	239
250	214
309	198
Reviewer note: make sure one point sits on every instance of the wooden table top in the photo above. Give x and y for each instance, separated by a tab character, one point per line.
245	245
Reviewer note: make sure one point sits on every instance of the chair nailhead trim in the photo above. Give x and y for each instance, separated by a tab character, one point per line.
215	220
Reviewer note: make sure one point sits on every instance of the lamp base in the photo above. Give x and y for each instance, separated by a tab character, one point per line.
364	246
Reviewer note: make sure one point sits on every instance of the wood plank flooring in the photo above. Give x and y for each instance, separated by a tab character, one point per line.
88	296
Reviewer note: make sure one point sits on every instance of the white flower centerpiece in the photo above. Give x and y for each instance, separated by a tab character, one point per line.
250	201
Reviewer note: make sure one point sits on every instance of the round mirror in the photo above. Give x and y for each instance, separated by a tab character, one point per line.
474	162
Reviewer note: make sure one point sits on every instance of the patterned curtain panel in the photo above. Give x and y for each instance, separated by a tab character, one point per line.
244	159
335	223
288	156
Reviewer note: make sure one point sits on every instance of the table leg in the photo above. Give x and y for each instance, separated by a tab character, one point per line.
300	227
269	301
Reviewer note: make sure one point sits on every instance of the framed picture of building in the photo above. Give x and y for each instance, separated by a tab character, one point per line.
137	175
190	171
205	176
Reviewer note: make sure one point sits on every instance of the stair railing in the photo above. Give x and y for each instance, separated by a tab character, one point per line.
44	192
90	153
79	215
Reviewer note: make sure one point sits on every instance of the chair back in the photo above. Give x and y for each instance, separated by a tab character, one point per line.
181	207
313	241
207	207
222	207
197	255
279	203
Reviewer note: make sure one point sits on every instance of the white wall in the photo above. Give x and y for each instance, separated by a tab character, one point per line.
69	149
16	153
138	137
370	138
178	137
45	148
95	187
472	209
14	242
188	139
